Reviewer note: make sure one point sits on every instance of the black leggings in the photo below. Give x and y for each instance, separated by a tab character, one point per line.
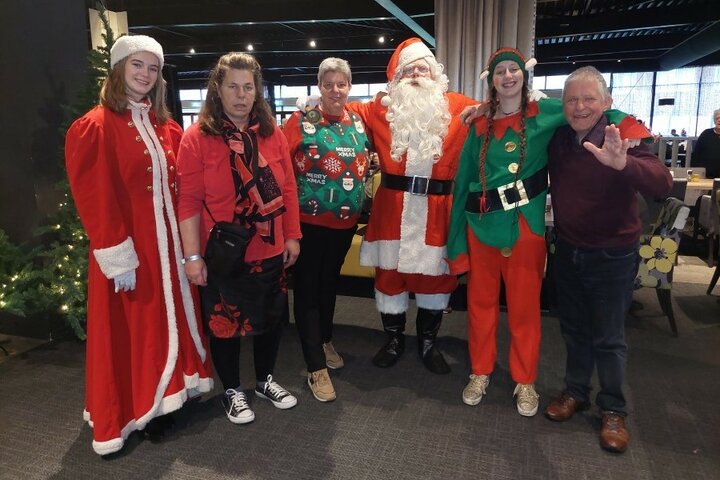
226	356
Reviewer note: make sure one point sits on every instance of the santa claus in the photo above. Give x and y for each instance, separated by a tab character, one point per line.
418	136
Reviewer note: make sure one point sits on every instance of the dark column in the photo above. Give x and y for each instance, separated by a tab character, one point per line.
44	48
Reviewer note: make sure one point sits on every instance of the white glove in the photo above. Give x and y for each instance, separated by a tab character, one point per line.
307	103
535	95
125	281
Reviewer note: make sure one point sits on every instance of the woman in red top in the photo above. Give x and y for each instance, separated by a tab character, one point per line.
219	155
145	356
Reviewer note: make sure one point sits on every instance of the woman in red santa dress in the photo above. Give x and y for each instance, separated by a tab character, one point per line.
145	350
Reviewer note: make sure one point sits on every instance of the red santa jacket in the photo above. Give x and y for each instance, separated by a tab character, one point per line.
408	232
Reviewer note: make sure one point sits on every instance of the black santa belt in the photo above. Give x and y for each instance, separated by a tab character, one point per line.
417	185
507	197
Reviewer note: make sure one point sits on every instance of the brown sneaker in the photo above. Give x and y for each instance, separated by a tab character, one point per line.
332	358
321	386
564	407
614	436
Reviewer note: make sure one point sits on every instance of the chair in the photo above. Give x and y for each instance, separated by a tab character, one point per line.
716	203
658	254
708	219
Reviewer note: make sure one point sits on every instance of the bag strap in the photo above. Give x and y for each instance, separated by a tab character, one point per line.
236	176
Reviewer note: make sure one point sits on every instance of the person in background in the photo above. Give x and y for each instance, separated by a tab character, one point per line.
145	350
328	146
236	133
706	152
595	177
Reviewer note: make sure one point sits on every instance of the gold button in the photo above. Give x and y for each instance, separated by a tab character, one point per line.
172	185
131	124
506	251
172	168
149	169
161	139
146	152
138	138
510	146
513	167
149	188
170	153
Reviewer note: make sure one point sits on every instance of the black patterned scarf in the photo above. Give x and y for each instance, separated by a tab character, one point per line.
258	198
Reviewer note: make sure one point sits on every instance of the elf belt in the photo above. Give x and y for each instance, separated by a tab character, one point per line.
511	195
417	185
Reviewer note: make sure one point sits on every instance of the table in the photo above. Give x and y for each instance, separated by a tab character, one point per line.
702	184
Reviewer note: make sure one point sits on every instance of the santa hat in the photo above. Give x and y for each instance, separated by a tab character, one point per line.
511	54
407	52
129	44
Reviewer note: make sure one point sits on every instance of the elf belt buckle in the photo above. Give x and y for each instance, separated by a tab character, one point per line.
513	195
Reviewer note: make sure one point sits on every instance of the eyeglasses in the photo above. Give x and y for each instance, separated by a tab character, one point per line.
410	69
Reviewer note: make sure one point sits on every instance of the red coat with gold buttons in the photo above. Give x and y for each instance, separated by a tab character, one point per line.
145	347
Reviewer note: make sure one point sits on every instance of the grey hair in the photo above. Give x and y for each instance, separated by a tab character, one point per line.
589	73
334	64
716	113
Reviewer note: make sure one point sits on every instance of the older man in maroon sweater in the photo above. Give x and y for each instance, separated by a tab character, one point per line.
594	178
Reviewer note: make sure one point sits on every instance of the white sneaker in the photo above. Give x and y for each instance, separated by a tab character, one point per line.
475	389
280	397
527	399
236	407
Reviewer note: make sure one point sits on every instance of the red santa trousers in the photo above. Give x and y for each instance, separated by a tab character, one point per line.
522	273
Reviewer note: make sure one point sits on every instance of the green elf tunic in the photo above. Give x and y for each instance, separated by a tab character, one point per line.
500	228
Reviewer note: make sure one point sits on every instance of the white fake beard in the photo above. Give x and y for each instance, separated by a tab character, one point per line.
419	117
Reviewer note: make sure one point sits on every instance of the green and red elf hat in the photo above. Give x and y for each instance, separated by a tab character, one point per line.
507	53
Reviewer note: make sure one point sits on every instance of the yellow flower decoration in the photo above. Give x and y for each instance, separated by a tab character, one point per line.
660	254
644	278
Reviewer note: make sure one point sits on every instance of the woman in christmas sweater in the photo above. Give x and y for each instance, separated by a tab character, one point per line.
329	150
234	166
145	354
497	223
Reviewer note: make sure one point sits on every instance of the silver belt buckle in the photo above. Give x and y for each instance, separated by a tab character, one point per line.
414	182
521	192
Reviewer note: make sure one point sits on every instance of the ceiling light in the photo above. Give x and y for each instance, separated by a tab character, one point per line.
381	39
192	50
619	60
312	43
249	47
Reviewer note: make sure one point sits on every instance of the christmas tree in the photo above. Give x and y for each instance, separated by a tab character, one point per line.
51	279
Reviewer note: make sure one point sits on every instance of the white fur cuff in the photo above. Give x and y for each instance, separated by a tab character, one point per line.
435	301
116	260
392	304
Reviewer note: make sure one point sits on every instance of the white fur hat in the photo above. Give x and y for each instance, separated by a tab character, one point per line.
129	44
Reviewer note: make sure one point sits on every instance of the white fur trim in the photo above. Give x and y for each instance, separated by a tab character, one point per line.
385	253
129	44
392	304
530	64
412	52
196	385
386	101
435	301
111	446
116	260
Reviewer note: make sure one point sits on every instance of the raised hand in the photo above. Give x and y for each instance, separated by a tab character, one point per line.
613	152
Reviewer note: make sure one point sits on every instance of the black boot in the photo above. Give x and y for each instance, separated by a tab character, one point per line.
394	325
428	324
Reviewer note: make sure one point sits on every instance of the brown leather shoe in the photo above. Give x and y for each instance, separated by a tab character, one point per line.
614	436
564	407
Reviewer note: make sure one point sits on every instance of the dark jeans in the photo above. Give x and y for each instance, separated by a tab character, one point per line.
226	356
594	290
315	278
